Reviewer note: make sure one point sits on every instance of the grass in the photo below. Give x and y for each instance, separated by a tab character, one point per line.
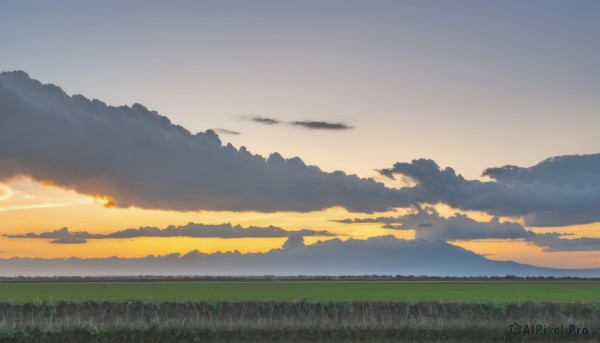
289	322
327	291
168	334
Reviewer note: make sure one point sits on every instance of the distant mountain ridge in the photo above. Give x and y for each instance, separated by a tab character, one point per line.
385	255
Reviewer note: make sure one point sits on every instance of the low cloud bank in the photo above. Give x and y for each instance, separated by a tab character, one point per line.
429	225
64	236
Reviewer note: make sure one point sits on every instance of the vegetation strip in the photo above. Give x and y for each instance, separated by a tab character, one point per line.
284	321
312	291
169	334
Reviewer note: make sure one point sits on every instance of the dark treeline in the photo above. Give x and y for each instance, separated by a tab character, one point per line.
157	278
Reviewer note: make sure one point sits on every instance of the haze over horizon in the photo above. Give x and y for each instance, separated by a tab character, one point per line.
367	136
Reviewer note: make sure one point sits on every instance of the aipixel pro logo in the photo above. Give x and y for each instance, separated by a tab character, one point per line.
517	329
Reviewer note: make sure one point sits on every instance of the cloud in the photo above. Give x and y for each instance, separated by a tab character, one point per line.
429	225
262	120
60	236
306	124
64	236
69	240
227	132
378	255
553	242
566	187
321	125
559	191
131	156
294	242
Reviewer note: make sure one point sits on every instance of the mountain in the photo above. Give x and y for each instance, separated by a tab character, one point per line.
385	255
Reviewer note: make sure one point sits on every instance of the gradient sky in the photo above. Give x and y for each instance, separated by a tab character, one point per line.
469	84
416	78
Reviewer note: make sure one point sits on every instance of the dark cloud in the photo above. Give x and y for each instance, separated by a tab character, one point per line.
559	191
429	225
57	234
378	255
571	183
578	171
307	124
262	120
60	236
321	125
69	240
294	242
227	132
553	242
136	157
64	236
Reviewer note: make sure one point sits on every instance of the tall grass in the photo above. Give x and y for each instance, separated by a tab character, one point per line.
138	321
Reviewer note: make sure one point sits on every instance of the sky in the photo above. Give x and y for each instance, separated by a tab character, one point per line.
393	92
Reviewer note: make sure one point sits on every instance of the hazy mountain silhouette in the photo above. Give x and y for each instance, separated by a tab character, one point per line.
379	255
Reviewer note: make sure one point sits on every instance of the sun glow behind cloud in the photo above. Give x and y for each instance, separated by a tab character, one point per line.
31	210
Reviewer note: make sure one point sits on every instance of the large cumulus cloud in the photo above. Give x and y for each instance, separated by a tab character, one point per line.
560	191
135	157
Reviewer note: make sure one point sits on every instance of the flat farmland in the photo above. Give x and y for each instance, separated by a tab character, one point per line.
310	291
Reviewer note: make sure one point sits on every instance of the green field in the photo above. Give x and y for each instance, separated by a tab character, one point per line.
328	291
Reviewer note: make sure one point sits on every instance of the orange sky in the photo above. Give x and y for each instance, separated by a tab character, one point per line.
32	207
